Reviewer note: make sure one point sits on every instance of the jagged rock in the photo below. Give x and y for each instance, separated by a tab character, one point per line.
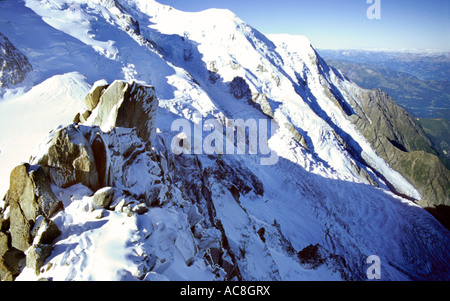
128	105
14	66
29	196
240	89
36	256
81	117
313	256
4	243
45	231
78	154
69	159
296	135
76	119
152	194
31	204
129	24
261	100
48	203
261	232
131	166
20	230
93	97
85	116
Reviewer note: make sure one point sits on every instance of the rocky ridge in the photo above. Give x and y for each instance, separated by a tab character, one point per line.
71	155
14	65
400	140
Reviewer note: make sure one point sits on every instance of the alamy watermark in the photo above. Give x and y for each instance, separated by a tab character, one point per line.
374	10
225	137
374	270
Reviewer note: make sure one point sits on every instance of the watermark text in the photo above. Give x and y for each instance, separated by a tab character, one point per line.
374	270
374	10
230	137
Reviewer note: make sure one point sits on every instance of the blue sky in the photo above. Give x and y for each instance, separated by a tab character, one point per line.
343	24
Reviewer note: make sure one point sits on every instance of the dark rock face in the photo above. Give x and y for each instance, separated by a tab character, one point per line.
139	103
14	66
313	256
10	264
240	89
100	157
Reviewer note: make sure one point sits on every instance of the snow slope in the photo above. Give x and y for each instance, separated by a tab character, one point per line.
25	119
317	193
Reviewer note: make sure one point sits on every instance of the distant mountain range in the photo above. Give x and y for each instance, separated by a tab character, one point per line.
426	65
419	82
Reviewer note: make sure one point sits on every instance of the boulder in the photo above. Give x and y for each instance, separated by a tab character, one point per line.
104	197
45	231
72	155
140	209
128	105
20	229
69	159
36	256
11	264
46	199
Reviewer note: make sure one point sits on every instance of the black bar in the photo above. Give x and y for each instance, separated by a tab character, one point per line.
223	290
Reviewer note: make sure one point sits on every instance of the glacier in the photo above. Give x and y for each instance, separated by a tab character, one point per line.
216	217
